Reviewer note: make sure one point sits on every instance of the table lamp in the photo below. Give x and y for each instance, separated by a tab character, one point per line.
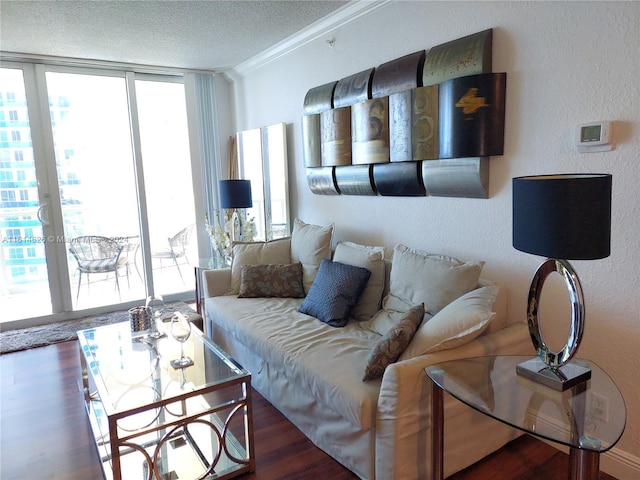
235	194
561	217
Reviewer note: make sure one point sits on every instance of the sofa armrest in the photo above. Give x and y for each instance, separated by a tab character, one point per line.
404	408
216	282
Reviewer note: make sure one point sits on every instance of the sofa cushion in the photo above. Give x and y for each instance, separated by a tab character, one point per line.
434	280
456	324
257	253
309	245
271	281
384	320
371	258
327	362
393	343
334	292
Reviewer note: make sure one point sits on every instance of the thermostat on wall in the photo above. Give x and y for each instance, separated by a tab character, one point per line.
594	137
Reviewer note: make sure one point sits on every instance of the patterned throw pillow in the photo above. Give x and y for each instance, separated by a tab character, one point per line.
258	253
271	281
334	292
393	343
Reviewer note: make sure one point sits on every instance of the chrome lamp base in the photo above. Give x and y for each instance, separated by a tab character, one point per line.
562	378
550	368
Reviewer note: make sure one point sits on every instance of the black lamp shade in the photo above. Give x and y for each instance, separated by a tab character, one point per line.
563	216
235	194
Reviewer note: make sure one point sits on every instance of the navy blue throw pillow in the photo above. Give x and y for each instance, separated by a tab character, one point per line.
334	292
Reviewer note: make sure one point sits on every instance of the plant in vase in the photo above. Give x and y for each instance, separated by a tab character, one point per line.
249	230
220	238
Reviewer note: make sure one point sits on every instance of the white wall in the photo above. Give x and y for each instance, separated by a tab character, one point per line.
567	63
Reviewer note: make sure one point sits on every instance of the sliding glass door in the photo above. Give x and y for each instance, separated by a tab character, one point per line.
164	141
96	186
95	195
24	276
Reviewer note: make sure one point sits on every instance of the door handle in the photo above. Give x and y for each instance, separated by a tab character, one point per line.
43	215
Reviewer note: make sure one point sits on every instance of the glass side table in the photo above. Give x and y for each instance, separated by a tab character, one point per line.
153	421
589	418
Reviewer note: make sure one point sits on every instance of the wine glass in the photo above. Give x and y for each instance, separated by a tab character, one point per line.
154	306
181	330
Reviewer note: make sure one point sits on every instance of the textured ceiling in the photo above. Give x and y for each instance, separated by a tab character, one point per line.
194	34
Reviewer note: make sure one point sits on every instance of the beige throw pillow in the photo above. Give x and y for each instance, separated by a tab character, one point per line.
309	245
434	280
456	324
257	253
371	258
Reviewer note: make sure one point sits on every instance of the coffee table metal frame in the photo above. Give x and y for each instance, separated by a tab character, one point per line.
203	410
491	386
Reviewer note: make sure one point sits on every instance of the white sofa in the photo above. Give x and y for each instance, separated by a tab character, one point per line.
313	372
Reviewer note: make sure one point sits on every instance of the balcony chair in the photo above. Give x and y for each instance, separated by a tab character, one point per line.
130	248
176	248
96	254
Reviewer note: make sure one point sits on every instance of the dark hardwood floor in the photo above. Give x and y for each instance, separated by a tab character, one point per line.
44	433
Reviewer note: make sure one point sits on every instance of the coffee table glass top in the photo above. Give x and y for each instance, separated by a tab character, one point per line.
135	371
590	417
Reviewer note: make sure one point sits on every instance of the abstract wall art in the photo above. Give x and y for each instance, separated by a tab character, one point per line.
423	124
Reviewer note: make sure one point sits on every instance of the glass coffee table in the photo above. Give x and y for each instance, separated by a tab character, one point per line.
588	418
152	421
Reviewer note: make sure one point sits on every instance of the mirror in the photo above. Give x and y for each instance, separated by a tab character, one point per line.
262	156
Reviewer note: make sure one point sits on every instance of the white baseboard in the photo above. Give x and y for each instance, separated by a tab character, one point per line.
620	464
616	462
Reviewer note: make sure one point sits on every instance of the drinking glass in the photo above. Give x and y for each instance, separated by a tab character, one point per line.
154	306
181	330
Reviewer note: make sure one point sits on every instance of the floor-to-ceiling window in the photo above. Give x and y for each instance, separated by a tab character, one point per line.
23	273
95	185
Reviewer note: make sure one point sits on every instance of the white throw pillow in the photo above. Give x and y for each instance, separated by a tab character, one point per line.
371	258
456	324
433	280
309	245
257	253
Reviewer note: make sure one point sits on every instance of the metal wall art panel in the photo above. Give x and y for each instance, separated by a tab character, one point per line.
355	180
404	73
457	177
425	123
469	55
335	134
399	179
413	124
400	148
322	181
353	89
311	148
319	99
370	131
472	116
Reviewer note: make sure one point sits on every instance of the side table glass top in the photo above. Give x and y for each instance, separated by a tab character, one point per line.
572	418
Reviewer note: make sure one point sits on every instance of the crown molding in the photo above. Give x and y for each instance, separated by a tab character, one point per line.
339	18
